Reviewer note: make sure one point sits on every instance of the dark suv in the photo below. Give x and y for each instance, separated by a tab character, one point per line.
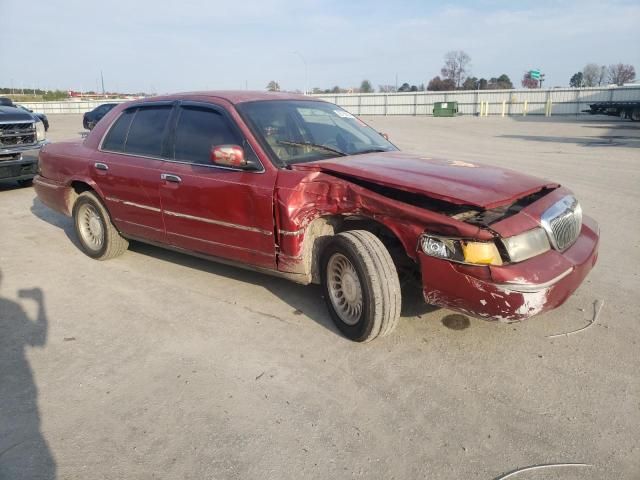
94	116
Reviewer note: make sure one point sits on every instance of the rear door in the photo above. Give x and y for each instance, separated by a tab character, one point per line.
128	168
218	211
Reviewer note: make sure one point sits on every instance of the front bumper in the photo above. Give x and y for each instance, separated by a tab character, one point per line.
511	292
15	149
18	169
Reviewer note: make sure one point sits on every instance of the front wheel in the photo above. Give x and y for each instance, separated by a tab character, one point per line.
98	237
361	285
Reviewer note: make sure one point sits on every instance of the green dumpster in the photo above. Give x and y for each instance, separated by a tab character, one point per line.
445	109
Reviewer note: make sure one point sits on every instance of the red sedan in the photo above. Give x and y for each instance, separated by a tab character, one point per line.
302	189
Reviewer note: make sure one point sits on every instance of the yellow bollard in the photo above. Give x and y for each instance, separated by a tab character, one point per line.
504	107
524	110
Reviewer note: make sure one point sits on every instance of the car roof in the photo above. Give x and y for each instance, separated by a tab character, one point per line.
233	96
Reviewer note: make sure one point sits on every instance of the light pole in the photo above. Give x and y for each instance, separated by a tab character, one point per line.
306	71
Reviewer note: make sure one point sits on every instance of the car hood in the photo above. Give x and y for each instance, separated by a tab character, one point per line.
453	181
13	114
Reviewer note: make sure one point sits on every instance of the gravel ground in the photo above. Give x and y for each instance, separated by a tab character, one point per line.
160	365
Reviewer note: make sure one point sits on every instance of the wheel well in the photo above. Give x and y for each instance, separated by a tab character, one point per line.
77	187
323	228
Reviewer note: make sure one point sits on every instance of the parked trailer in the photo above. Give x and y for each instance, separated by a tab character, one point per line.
619	109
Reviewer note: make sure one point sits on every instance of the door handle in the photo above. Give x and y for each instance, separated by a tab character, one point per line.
101	166
170	177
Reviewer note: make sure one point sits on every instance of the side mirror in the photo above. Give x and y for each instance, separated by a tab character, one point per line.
385	135
229	156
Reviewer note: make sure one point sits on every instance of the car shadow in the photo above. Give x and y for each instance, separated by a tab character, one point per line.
587	141
56	219
303	299
24	452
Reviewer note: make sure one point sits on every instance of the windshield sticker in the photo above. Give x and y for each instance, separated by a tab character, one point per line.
343	114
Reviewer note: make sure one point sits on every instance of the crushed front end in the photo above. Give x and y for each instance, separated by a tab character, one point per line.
539	257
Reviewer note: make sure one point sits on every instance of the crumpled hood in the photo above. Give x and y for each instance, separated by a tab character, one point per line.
454	181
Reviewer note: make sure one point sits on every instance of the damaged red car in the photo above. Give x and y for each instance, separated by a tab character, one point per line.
302	189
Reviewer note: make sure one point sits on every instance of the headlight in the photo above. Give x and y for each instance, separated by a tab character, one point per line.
462	251
40	135
527	244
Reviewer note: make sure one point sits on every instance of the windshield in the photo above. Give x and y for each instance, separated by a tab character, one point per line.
302	131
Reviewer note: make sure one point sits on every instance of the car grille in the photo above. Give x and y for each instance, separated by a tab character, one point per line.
563	222
22	133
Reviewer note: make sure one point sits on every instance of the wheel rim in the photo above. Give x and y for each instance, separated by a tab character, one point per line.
91	227
345	290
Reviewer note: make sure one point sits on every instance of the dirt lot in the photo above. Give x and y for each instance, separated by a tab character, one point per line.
159	365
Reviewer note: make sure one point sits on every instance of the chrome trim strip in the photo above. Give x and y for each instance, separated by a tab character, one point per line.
44	183
132	204
218	222
533	287
291	233
139	225
220	244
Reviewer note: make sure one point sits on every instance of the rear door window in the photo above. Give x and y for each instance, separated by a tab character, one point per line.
197	131
147	131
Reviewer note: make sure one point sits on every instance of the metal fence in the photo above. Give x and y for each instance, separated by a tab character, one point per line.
68	106
557	101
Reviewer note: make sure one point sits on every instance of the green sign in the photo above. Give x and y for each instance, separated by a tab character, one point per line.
535	74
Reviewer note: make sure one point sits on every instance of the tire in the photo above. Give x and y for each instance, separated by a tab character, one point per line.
25	183
98	237
635	115
361	285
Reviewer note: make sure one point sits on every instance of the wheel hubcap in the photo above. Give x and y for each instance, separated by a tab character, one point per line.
91	227
345	290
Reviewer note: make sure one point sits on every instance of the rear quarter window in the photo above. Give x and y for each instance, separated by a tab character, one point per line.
114	141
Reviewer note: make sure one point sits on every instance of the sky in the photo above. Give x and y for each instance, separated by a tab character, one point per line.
161	47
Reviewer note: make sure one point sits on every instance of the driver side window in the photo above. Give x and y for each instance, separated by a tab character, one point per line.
197	131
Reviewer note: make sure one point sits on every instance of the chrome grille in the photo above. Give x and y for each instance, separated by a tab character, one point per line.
17	133
563	222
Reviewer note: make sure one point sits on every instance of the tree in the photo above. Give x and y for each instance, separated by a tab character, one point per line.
365	87
591	75
437	84
386	88
621	73
577	80
528	82
502	82
602	76
273	86
413	88
336	89
405	87
470	83
456	64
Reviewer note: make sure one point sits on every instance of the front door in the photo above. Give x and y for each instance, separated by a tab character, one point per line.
218	211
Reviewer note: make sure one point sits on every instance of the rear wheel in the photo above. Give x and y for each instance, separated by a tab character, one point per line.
361	285
98	237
